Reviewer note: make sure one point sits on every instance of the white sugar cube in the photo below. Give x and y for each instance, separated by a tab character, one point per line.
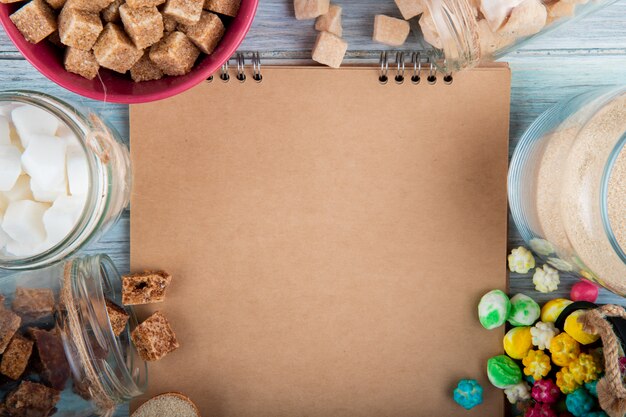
60	219
44	160
10	166
29	120
5	131
77	171
4	203
6	109
22	250
20	191
48	195
497	11
65	134
23	222
4	238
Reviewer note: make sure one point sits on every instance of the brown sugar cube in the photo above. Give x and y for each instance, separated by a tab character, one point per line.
81	62
35	21
169	24
144	26
154	338
111	13
16	356
186	12
174	54
114	50
225	7
145	287
33	304
55	368
9	2
136	4
390	31
9	323
329	49
79	29
31	399
145	70
310	9
207	33
94	6
55	39
117	316
410	8
331	21
56	4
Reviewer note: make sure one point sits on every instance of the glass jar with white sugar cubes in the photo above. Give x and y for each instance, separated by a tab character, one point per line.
64	178
466	32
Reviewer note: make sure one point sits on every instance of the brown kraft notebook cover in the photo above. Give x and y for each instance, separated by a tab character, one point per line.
329	238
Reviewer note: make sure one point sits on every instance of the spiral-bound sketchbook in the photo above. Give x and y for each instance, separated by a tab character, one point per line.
329	238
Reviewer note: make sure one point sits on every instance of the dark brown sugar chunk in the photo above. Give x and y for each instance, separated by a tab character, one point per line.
31	399
9	323
55	369
145	287
33	304
117	316
16	356
154	338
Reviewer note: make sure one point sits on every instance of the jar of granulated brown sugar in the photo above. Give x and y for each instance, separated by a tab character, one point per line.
567	187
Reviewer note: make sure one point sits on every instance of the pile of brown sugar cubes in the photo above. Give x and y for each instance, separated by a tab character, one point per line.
149	38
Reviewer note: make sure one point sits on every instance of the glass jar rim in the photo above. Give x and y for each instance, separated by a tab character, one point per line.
609	228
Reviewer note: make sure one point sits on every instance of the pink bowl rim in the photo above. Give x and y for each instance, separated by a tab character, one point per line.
195	78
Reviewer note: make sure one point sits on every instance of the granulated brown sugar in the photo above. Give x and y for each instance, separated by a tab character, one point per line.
617	199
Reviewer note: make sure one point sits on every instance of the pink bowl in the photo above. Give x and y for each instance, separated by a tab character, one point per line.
48	59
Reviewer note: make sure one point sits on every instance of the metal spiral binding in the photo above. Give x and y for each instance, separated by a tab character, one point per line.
240	74
416	61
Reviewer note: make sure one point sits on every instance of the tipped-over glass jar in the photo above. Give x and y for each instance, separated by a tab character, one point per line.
466	32
61	354
64	178
567	187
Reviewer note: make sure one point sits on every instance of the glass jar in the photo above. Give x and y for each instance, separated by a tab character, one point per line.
103	188
466	32
76	359
567	187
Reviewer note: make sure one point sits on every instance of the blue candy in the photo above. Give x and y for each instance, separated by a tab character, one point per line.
579	402
468	393
596	414
592	387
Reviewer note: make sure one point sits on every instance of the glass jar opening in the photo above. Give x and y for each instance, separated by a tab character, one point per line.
613	198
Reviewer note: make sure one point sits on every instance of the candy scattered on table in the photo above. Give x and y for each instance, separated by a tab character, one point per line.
524	310
584	291
517	393
536	364
521	260
545	391
546	279
503	372
493	309
553	308
468	393
517	342
574	328
564	349
579	402
542	334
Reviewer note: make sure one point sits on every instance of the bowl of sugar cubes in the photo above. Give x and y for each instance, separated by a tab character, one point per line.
127	51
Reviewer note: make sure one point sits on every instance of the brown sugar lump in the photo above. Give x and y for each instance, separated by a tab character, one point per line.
225	7
81	62
175	54
390	31
145	287
79	29
33	304
186	12
95	6
154	338
310	9
144	26
114	50
16	356
528	18
56	4
168	404
329	49
31	399
9	323
111	13
207	33
55	39
331	21
169	23
145	70
55	368
35	21
410	8
136	4
9	2
560	9
118	317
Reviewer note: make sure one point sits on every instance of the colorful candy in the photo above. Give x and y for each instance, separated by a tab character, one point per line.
585	368
566	381
553	308
503	372
517	393
521	260
540	410
564	349
574	328
536	364
542	334
493	309
545	391
584	291
517	342
592	387
524	310
542	246
546	279
579	402
468	393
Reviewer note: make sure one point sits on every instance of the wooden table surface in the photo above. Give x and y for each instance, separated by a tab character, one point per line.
581	55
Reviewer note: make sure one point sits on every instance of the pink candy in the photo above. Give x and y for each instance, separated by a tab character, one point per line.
545	391
540	410
584	291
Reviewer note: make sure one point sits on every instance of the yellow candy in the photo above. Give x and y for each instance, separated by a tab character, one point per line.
517	342
536	364
564	349
566	382
551	310
575	329
586	368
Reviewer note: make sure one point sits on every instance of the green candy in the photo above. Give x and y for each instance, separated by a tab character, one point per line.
493	309
524	311
503	372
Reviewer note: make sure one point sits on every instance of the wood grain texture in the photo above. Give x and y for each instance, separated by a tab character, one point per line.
588	53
